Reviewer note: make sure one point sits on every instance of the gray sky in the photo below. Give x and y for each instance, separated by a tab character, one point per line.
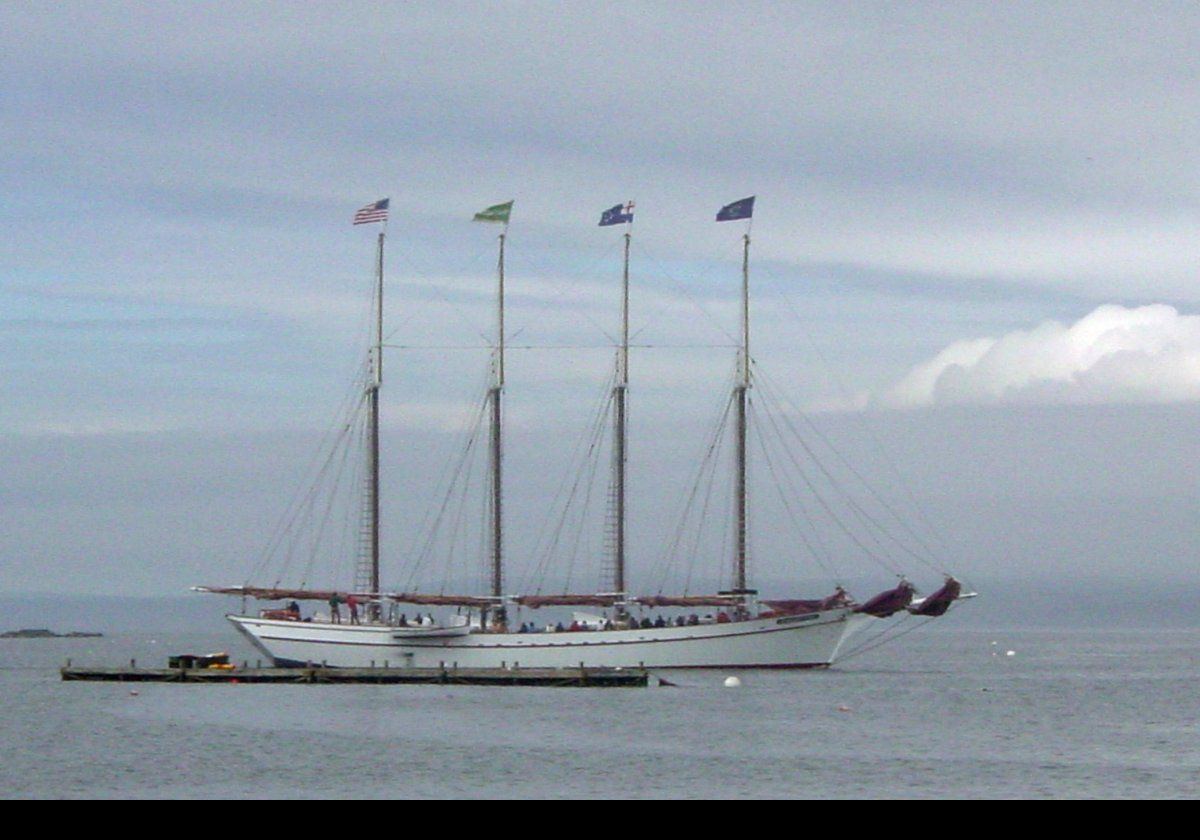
974	251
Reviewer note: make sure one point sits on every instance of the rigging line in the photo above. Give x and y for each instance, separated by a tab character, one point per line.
943	550
468	431
472	562
331	439
545	553
670	552
616	514
589	488
865	516
821	546
562	298
458	532
353	439
288	534
312	525
507	346
455	308
683	287
580	459
483	550
436	283
427	530
884	638
343	549
825	562
466	270
546	274
895	514
455	505
871	526
483	252
693	554
432	521
829	511
432	518
311	522
351	510
708	468
716	452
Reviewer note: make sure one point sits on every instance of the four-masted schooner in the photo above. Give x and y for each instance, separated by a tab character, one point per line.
743	633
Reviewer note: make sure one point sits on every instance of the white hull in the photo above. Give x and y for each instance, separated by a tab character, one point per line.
804	641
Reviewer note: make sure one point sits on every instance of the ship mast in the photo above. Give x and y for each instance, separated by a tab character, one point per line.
620	391
498	213
497	449
367	577
743	209
740	393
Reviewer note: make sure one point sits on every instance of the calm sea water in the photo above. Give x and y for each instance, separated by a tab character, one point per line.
941	713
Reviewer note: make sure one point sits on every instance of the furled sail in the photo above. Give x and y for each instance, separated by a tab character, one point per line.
687	601
263	593
840	598
890	602
266	593
536	601
442	600
940	601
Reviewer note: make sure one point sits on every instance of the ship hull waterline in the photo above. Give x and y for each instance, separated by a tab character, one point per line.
803	641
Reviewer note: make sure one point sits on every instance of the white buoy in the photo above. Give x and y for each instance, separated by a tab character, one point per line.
733	682
1010	653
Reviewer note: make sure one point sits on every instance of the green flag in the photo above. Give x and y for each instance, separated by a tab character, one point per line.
495	213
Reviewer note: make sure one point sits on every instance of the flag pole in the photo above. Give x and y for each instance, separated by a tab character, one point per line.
741	394
377	383
366	573
620	394
743	209
497	213
497	445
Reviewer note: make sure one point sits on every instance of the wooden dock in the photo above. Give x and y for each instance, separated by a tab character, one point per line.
316	675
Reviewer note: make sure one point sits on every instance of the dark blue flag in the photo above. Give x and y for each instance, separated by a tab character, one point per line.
618	215
743	209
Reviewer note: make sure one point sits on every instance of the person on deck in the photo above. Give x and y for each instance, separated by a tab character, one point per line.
352	603
335	608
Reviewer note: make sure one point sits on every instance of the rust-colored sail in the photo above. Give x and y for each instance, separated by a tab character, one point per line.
940	601
263	593
442	600
840	598
888	603
687	601
266	593
536	601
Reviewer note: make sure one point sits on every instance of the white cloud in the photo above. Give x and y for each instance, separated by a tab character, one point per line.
1147	354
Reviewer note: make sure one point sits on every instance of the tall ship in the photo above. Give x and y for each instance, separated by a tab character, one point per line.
370	625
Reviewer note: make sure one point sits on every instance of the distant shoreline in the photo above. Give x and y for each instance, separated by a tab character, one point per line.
43	633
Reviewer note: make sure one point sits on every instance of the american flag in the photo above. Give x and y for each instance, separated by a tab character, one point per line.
376	212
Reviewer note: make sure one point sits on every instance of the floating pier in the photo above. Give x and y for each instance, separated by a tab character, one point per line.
319	675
